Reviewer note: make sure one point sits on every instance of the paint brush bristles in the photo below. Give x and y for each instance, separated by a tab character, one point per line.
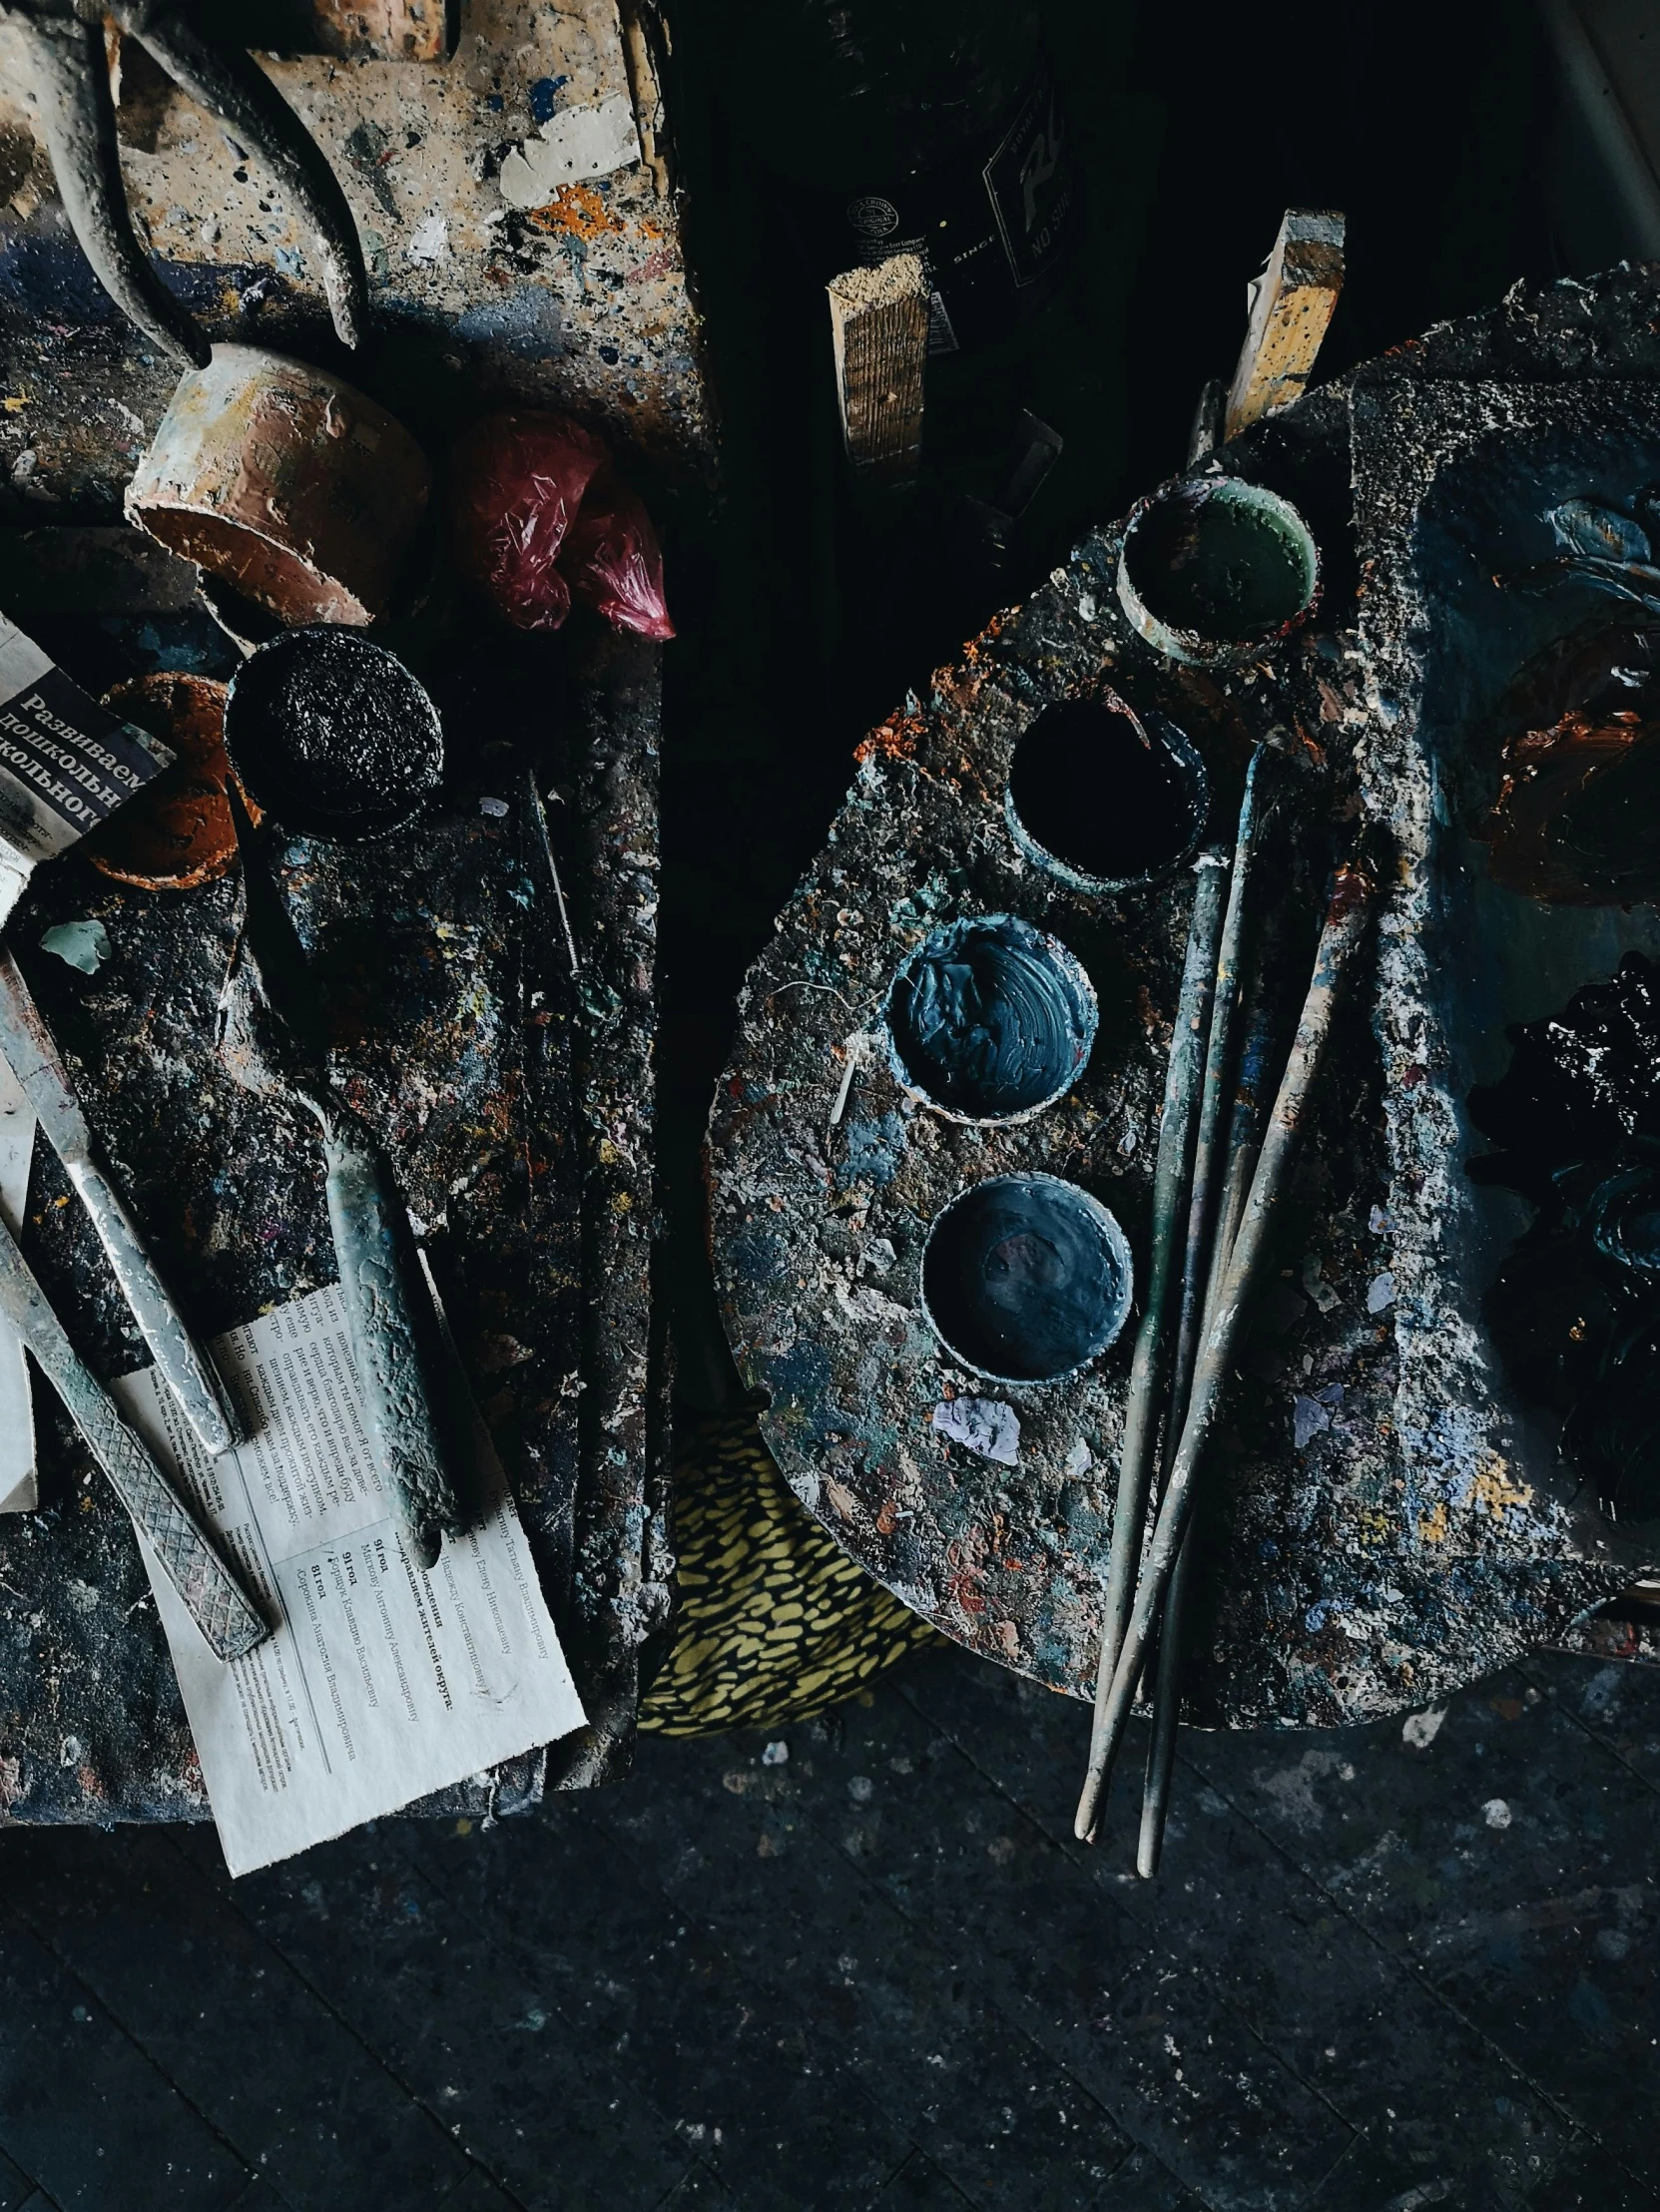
1340	941
1170	1176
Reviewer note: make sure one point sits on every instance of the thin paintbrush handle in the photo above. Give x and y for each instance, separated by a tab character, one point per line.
1340	940
216	1604
1222	994
1244	1147
1180	1093
380	1282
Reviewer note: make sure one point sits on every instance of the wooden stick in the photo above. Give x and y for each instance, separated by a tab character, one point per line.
1291	307
1170	1175
879	327
1339	939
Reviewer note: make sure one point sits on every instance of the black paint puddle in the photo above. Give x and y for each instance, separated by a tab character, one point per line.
1575	1308
989	1018
1105	798
1026	1278
332	735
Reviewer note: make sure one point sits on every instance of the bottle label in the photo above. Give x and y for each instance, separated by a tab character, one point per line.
1029	182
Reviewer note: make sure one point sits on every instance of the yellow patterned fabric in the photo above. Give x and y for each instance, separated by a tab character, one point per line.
776	1621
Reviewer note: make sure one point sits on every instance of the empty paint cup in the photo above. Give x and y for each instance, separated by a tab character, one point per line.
1026	1278
1106	798
332	734
1215	571
990	1020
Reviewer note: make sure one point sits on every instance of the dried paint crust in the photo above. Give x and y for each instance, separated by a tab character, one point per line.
1384	1523
516	1107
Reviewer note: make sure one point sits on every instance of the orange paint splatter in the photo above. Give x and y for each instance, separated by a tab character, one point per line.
577	210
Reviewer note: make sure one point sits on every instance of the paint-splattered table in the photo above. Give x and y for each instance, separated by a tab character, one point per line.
517	1098
1389	1515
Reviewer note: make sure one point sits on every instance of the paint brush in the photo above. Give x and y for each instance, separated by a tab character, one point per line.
1251	1097
1341	940
1223	996
1170	1175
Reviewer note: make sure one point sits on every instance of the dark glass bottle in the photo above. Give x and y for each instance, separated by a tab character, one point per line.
933	127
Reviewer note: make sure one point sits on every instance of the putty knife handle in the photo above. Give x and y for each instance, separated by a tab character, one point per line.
216	1604
380	1284
184	1364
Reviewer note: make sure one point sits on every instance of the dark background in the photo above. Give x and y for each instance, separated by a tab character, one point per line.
1383	1969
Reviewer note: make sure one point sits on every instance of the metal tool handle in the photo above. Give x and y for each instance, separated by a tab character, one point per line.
380	1285
216	1604
183	1364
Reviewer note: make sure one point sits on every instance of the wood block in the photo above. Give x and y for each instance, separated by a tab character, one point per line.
1291	307
879	326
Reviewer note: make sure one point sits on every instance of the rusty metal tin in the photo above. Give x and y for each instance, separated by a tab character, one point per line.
178	833
293	486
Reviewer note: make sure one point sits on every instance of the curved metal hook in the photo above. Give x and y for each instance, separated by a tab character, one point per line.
229	83
72	82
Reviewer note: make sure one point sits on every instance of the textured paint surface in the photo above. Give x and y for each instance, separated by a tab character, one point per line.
512	1103
478	297
1420	1532
990	1018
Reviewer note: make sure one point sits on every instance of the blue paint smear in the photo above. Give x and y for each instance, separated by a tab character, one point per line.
544	97
872	1150
54	281
526	323
757	1257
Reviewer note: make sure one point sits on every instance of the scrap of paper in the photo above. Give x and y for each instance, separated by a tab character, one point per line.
17	1425
381	1683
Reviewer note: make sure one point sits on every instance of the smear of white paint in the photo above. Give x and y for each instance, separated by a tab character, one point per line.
429	239
1420	1728
982	1424
576	142
1496	1813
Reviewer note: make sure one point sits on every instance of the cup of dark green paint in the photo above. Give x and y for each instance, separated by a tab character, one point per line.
1215	571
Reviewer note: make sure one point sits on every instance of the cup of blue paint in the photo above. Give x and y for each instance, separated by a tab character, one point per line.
989	1020
1026	1278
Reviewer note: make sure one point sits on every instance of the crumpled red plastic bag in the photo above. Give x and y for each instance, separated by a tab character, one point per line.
613	561
517	482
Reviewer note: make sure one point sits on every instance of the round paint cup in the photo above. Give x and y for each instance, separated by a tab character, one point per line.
1215	571
1026	1278
332	736
1106	800
989	1020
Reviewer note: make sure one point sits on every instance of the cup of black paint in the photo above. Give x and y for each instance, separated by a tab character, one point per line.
332	736
1215	571
1105	798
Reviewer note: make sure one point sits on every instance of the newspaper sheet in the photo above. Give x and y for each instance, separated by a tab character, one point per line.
380	1682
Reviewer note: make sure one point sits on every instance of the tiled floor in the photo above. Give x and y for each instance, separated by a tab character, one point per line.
1374	1975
